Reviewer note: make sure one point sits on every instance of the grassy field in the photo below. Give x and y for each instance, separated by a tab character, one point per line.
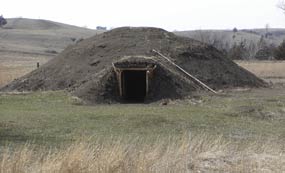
186	154
54	117
15	65
240	130
270	71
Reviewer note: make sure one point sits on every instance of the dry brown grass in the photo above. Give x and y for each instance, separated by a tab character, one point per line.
8	74
12	67
273	71
189	154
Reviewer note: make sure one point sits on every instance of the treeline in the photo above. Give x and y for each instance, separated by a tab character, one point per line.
261	50
236	47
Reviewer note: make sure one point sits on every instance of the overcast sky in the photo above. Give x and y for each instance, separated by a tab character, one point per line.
167	14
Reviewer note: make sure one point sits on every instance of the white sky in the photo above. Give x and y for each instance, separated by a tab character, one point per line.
167	14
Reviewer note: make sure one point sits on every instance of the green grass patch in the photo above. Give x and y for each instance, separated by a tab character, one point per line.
53	118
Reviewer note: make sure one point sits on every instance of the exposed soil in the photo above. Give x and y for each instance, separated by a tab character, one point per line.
85	69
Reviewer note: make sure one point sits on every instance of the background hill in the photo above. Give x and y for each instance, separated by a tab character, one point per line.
274	36
26	42
31	36
241	44
46	38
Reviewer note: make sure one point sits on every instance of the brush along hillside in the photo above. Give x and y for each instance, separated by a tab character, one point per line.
88	69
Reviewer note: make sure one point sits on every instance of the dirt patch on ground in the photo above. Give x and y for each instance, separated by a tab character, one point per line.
86	68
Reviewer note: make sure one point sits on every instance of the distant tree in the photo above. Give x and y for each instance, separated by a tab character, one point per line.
281	5
261	50
217	40
252	49
235	30
267	33
260	46
261	43
202	36
103	28
265	52
279	52
3	21
239	51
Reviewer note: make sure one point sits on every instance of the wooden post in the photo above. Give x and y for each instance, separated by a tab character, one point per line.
120	83
146	78
119	78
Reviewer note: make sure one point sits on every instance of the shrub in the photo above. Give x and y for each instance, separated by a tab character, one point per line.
279	53
238	51
265	53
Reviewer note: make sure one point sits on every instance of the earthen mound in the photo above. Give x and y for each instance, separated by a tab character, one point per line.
120	65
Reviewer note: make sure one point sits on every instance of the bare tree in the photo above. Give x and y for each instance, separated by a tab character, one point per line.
267	32
281	5
280	51
217	40
3	21
252	49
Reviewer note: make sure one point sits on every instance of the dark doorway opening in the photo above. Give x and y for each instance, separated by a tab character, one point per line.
134	85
